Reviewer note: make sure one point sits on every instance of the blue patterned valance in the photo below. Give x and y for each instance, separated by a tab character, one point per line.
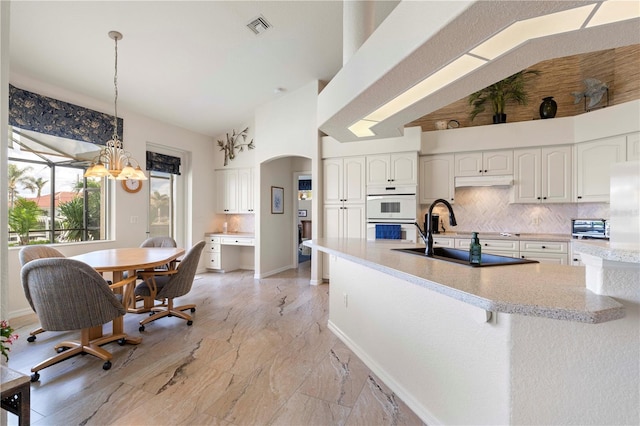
30	111
163	163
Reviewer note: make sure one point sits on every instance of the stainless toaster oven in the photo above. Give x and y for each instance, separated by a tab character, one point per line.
590	228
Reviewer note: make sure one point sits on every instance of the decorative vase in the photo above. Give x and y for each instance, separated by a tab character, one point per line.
499	118
548	107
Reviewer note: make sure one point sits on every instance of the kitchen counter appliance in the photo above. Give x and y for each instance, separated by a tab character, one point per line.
590	229
391	212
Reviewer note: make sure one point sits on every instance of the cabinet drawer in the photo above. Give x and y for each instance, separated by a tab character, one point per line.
515	254
443	242
493	245
544	246
552	258
236	241
212	248
210	239
213	261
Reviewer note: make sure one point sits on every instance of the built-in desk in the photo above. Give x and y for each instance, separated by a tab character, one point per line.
230	251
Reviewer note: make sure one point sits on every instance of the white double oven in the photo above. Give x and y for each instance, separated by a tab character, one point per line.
395	206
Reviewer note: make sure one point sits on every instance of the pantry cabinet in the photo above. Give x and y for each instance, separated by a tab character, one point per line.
488	163
542	175
593	167
343	221
398	169
344	180
436	178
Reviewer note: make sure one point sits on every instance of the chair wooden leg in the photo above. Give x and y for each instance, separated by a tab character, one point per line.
169	310
74	348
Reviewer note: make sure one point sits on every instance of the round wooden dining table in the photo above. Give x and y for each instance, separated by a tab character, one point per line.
116	261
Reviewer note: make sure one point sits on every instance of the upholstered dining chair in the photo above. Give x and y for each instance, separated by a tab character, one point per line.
54	288
163	241
169	285
29	253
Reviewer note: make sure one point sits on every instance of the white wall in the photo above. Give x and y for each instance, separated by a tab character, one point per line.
284	128
138	131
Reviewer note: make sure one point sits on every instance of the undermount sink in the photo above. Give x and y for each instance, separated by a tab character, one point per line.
462	257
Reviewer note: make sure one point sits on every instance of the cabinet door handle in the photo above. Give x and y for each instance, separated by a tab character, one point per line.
544	247
485	171
544	198
538	198
579	197
479	171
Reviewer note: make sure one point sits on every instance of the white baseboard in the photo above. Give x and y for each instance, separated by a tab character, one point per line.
273	272
420	410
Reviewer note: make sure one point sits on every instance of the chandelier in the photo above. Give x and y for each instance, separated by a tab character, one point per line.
113	161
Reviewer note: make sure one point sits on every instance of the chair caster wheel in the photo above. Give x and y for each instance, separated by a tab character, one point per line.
193	309
151	314
31	339
189	322
106	365
61	349
141	329
122	341
35	377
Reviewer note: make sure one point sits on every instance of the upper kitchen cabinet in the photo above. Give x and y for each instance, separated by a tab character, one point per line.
436	178
396	169
344	180
245	191
234	191
542	175
593	167
489	163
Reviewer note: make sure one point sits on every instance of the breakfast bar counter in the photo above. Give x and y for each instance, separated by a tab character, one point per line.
516	344
551	291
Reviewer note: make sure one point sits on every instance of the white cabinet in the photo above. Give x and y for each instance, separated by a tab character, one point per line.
508	248
344	180
444	242
488	163
545	251
436	178
234	191
227	191
593	167
542	175
224	252
398	169
343	221
245	191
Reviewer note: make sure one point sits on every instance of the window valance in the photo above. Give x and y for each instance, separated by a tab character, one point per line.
31	111
163	163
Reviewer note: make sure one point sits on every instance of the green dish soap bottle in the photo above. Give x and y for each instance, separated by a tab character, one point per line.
475	250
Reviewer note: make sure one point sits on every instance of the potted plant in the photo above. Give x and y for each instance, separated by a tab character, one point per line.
498	94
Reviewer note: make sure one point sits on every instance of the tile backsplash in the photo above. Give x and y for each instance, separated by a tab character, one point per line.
487	209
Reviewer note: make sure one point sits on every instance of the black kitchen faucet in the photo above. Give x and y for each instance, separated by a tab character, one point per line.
427	234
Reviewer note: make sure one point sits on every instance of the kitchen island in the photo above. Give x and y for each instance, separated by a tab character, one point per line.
495	345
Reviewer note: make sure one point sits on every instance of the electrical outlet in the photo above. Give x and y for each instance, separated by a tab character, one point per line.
133	219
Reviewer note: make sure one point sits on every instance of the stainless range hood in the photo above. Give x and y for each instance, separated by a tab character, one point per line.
505	180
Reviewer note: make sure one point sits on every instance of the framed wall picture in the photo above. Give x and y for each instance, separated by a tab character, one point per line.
277	200
302	213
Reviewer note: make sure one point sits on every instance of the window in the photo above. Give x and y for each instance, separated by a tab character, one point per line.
49	199
161	204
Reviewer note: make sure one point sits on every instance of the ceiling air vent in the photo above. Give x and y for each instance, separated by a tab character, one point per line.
259	25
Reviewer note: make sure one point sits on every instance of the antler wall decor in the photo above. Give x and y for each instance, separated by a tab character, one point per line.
233	144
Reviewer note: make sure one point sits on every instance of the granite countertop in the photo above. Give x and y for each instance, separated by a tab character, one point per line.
543	290
507	236
607	251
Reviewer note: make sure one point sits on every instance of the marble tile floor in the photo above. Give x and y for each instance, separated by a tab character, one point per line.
259	353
